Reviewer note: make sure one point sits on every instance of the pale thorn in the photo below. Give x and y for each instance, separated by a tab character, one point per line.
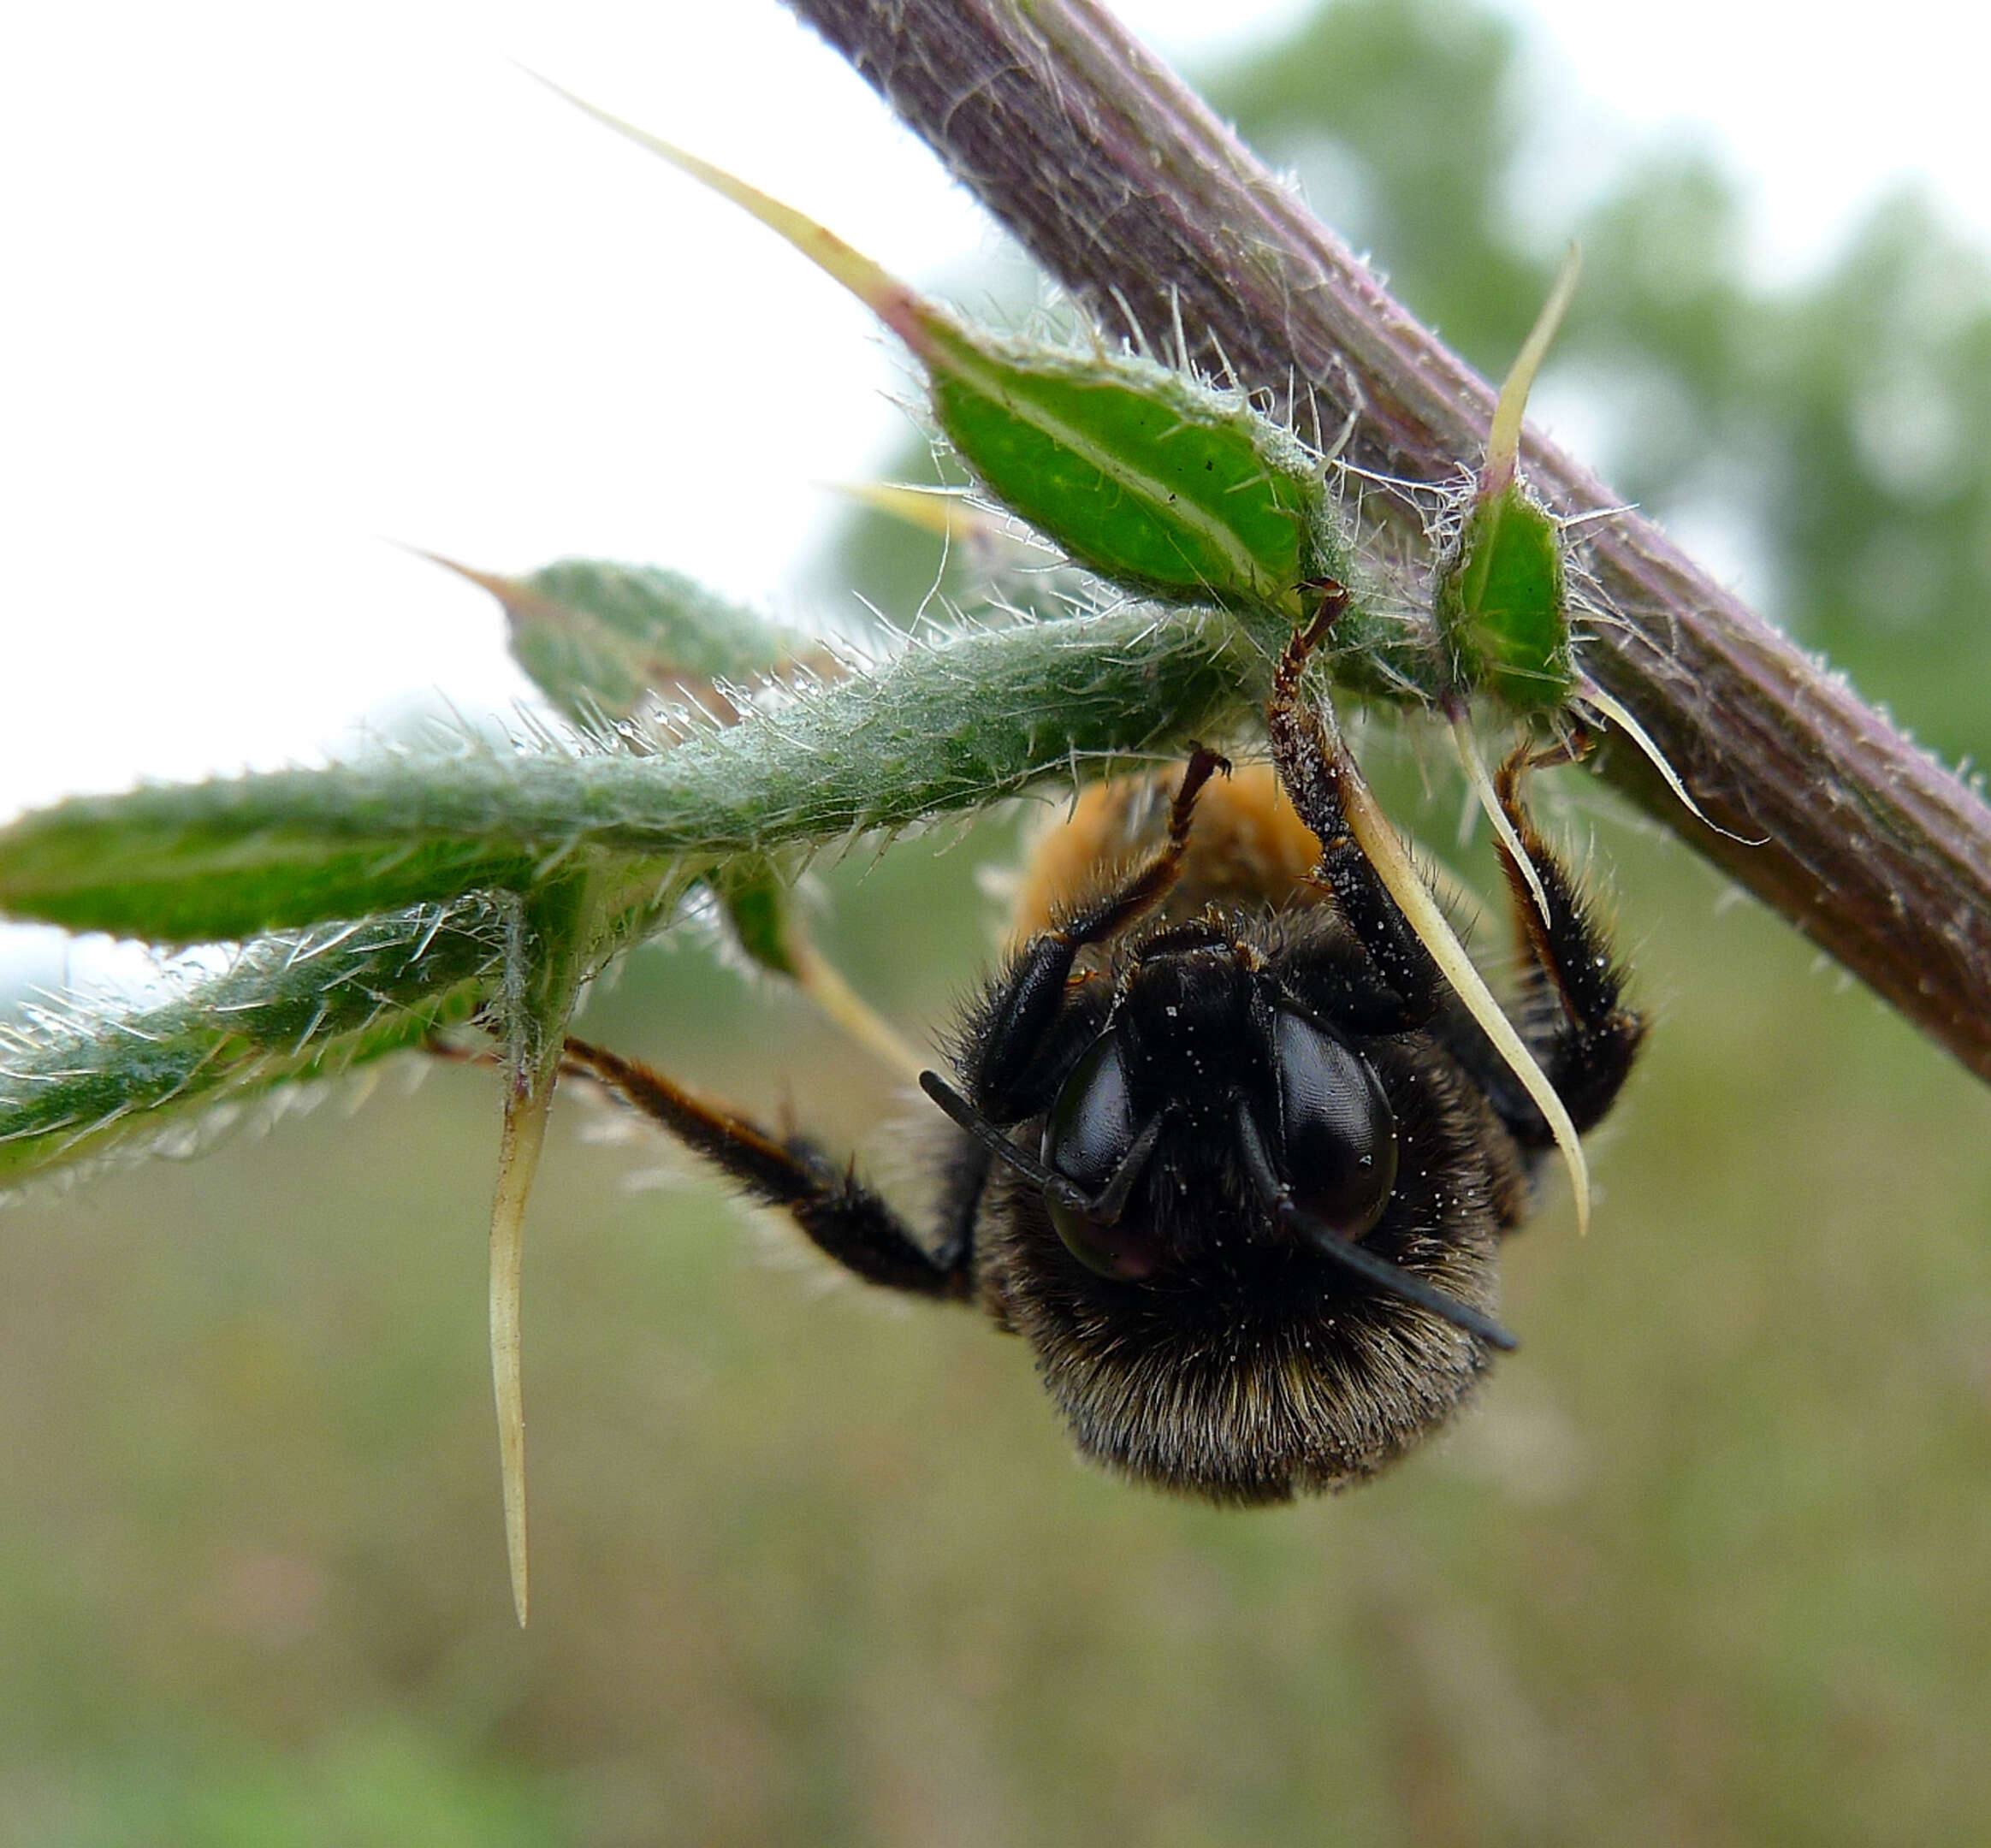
1592	695
1482	785
881	291
834	998
1503	437
1378	840
519	1143
947	512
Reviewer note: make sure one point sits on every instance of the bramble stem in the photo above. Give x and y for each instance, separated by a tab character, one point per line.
1128	189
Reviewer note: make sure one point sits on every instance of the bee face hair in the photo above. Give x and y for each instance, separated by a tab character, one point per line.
1252	1368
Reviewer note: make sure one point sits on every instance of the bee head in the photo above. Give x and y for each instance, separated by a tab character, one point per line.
1253	1252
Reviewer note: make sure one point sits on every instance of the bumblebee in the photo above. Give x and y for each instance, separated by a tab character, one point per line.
1220	1143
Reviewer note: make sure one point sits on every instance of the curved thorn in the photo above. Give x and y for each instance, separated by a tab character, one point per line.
1592	695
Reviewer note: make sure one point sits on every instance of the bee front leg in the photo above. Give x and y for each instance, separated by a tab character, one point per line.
842	1218
1311	763
1016	1036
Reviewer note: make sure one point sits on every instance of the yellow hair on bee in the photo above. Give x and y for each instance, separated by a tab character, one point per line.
1249	847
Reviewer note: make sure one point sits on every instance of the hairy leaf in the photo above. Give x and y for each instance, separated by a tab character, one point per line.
947	725
81	1082
596	636
1503	602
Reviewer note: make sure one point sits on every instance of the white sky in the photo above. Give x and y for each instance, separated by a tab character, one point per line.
283	284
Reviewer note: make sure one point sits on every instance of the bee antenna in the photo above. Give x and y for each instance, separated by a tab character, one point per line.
1064	1191
1104	1209
1277	1199
1113	1198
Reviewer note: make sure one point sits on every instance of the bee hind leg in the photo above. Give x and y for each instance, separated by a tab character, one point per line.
1573	1013
842	1218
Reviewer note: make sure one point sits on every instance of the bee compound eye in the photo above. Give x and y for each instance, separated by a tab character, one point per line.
1088	1137
1336	1131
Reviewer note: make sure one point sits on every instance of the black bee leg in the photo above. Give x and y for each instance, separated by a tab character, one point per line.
1014	1036
842	1218
1312	764
1573	1013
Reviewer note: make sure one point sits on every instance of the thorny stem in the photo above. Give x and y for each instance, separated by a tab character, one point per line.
1129	190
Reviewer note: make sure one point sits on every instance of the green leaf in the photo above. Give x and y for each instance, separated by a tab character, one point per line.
755	898
226	861
1142	475
596	636
1154	480
1503	602
81	1082
947	725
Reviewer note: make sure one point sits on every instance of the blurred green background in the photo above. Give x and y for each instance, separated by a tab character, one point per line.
1709	1562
